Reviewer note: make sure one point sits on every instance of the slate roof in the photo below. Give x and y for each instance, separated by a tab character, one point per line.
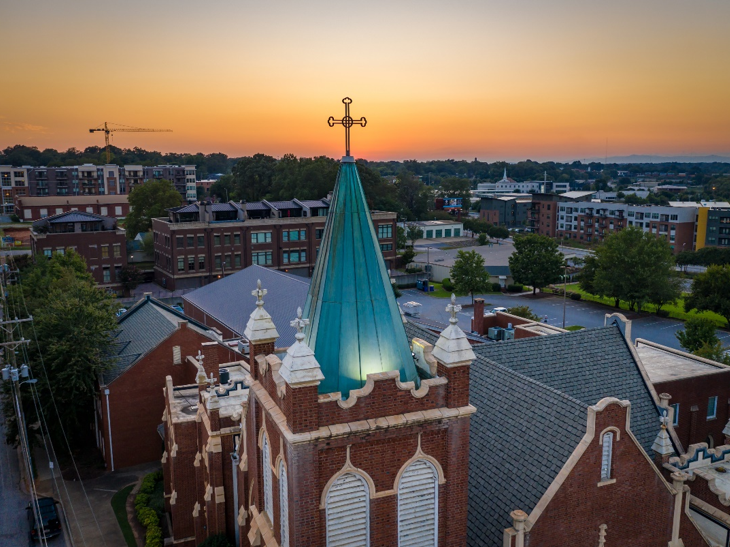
229	300
192	208
285	205
539	388
498	270
256	206
314	203
141	329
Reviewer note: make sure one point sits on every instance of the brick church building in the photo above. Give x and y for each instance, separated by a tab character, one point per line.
346	439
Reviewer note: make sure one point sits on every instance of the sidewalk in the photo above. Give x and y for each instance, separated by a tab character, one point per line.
100	527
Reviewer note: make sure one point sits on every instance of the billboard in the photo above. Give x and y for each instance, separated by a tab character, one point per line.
452	203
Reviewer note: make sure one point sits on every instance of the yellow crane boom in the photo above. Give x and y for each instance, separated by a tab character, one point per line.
124	128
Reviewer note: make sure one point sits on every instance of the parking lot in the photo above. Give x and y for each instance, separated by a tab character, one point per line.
586	314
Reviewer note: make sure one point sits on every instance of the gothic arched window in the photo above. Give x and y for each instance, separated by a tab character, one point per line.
418	505
283	505
266	464
348	512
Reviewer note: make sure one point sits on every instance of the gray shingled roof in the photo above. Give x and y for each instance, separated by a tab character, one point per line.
74	216
192	208
229	300
257	206
314	203
532	389
141	329
285	205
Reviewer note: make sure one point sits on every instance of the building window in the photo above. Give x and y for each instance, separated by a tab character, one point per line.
180	242
675	420
180	263
606	456
236	239
107	274
217	240
418	505
117	250
191	241
201	241
237	260
217	262
118	211
261	237
201	262
268	492
261	258
48	252
283	505
191	263
712	408
347	510
385	231
294	235
229	263
176	355
105	251
386	246
226	239
318	233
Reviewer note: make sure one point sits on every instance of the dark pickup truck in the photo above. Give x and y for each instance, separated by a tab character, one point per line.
50	523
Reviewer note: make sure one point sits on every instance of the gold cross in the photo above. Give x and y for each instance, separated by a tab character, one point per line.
347	122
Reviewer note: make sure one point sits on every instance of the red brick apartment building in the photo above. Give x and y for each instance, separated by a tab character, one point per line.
573	216
96	238
202	242
32	208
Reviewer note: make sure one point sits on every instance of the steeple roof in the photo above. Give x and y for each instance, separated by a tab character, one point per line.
355	325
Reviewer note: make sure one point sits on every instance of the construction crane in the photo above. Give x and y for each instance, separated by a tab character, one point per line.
125	128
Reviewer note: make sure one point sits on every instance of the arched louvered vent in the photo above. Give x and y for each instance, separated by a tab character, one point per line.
348	512
283	505
268	494
418	505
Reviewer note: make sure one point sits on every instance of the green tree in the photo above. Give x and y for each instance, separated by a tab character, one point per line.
634	266
713	352
697	332
401	238
253	177
148	244
147	201
414	195
710	291
224	189
482	239
498	232
536	261
413	233
130	277
74	324
468	273
664	290
408	255
523	311
587	275
455	187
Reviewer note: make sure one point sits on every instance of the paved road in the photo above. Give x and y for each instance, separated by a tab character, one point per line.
586	314
13	524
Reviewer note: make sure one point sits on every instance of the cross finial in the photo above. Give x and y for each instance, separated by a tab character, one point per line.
259	293
453	309
200	357
299	324
664	419
347	122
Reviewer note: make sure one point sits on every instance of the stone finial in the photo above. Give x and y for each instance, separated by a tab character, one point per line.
453	348
662	444
299	367
213	402
260	328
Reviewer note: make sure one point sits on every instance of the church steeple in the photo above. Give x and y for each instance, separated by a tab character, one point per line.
355	325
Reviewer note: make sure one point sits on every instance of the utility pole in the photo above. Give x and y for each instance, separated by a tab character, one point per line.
565	281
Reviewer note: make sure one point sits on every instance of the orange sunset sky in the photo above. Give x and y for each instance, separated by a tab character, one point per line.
558	79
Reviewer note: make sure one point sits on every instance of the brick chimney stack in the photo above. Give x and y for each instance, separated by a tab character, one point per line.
260	331
477	323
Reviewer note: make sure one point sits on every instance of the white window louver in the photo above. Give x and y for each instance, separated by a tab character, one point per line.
348	512
606	456
268	494
418	506
283	506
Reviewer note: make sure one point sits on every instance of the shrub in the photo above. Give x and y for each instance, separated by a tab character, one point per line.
14	218
523	311
514	288
575	296
147	516
662	313
447	284
496	287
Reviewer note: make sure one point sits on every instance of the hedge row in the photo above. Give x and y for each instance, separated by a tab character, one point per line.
145	514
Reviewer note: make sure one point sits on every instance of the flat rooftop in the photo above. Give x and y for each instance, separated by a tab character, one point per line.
665	365
435	222
184	403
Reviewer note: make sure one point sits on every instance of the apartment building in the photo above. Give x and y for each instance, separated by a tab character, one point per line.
97	238
713	222
32	208
89	180
510	211
13	182
201	242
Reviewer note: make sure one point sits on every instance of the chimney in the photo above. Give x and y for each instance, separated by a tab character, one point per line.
477	323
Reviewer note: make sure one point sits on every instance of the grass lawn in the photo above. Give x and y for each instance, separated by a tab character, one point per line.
574	327
676	310
119	504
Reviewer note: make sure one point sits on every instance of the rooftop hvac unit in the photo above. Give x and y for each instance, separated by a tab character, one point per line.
495	333
243	347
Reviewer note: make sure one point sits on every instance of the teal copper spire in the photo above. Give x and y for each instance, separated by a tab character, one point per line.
355	324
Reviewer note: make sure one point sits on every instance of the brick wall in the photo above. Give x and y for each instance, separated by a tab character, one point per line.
694	426
136	404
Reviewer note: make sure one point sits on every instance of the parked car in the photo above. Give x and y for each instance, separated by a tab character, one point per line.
495	310
178	307
121	311
50	523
